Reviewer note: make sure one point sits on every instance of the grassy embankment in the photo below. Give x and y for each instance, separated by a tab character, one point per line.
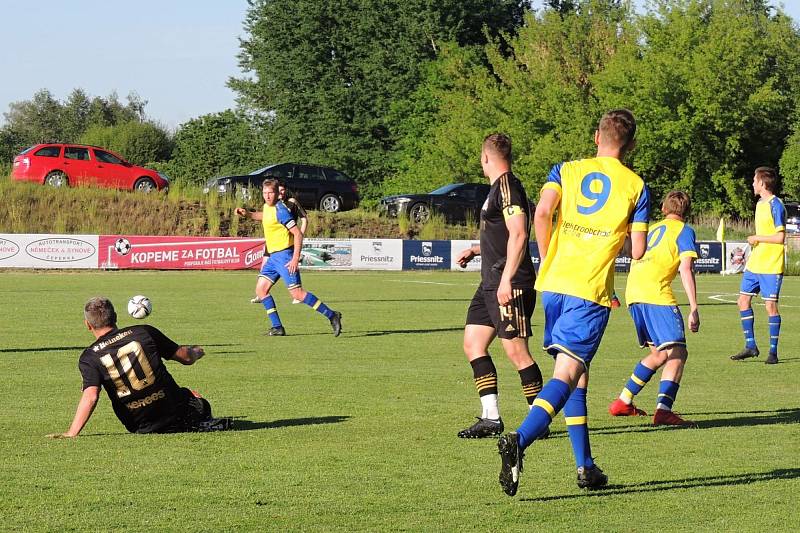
30	208
183	211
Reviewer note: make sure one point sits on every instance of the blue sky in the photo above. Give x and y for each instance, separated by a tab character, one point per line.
176	54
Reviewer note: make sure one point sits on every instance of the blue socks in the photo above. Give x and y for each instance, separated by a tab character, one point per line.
314	303
272	312
641	375
747	328
576	419
549	402
774	333
667	391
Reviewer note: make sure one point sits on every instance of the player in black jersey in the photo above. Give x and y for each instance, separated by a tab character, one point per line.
503	304
127	362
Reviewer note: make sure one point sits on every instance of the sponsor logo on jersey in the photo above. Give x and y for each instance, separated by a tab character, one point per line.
147	400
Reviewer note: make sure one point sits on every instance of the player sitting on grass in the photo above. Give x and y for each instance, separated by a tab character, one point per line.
127	362
671	248
284	241
764	270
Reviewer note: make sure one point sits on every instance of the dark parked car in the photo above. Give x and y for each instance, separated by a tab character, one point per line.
457	202
792	217
314	187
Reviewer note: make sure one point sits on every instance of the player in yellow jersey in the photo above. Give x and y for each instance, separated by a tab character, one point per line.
599	201
284	241
764	270
671	248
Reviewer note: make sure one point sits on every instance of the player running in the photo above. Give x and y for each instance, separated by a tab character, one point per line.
764	270
284	241
671	248
504	301
598	201
127	363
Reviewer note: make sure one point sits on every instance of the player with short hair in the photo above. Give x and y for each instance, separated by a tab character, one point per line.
671	248
284	241
504	301
127	363
300	217
598	201
764	270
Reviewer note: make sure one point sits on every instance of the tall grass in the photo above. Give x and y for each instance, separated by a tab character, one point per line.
706	224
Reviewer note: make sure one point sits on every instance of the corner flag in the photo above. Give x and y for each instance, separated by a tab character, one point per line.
721	230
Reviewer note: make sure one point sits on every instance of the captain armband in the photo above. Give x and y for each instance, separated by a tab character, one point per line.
511	211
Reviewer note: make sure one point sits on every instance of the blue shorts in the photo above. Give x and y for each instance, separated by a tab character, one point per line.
769	285
573	326
660	326
275	268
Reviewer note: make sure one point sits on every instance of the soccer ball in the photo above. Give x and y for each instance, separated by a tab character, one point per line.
122	246
139	306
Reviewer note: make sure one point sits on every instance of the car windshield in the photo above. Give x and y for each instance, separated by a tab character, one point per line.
446	189
260	170
26	150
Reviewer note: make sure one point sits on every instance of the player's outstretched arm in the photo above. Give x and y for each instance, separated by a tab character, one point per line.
84	411
255	215
543	219
468	255
188	355
687	279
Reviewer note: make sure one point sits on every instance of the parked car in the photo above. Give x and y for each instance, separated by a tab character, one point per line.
315	187
457	202
792	217
63	165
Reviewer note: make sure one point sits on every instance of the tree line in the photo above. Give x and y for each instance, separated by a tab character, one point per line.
400	94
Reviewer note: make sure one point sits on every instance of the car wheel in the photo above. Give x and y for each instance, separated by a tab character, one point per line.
330	203
419	213
144	185
56	179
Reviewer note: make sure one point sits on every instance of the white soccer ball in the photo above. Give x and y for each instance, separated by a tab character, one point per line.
139	306
122	246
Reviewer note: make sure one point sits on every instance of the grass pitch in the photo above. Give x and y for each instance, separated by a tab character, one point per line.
359	432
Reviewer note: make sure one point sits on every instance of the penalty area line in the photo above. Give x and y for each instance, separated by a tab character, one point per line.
735	295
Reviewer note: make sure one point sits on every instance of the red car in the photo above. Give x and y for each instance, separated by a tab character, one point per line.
67	165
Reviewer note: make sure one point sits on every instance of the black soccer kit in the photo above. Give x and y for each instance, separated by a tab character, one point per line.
506	198
127	362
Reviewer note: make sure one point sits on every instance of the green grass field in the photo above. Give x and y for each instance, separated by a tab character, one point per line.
357	433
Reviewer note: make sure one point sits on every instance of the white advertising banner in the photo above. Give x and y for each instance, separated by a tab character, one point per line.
377	254
48	251
456	247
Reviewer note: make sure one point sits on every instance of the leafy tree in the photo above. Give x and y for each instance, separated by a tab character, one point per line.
326	73
542	94
45	119
215	144
139	142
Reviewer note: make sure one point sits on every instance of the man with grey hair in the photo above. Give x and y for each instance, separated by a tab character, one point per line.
127	363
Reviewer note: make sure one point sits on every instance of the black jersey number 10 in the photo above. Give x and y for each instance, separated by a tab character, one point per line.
124	358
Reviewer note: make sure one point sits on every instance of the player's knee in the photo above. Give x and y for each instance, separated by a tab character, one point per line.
298	293
744	302
772	307
676	353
